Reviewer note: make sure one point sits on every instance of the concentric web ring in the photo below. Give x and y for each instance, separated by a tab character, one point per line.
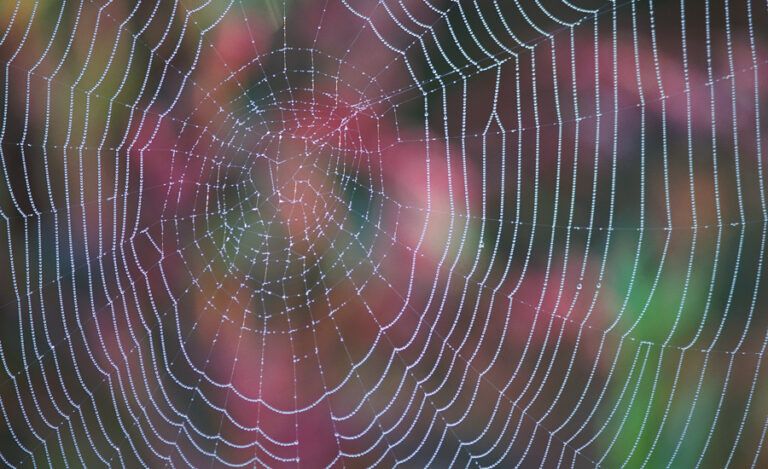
383	233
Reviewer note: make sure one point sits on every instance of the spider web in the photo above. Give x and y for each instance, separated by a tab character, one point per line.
383	233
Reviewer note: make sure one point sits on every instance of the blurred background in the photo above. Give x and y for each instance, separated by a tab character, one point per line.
361	233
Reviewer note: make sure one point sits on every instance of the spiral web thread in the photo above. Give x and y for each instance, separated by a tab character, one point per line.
356	233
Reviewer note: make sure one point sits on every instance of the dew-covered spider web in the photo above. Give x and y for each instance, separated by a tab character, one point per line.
355	233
